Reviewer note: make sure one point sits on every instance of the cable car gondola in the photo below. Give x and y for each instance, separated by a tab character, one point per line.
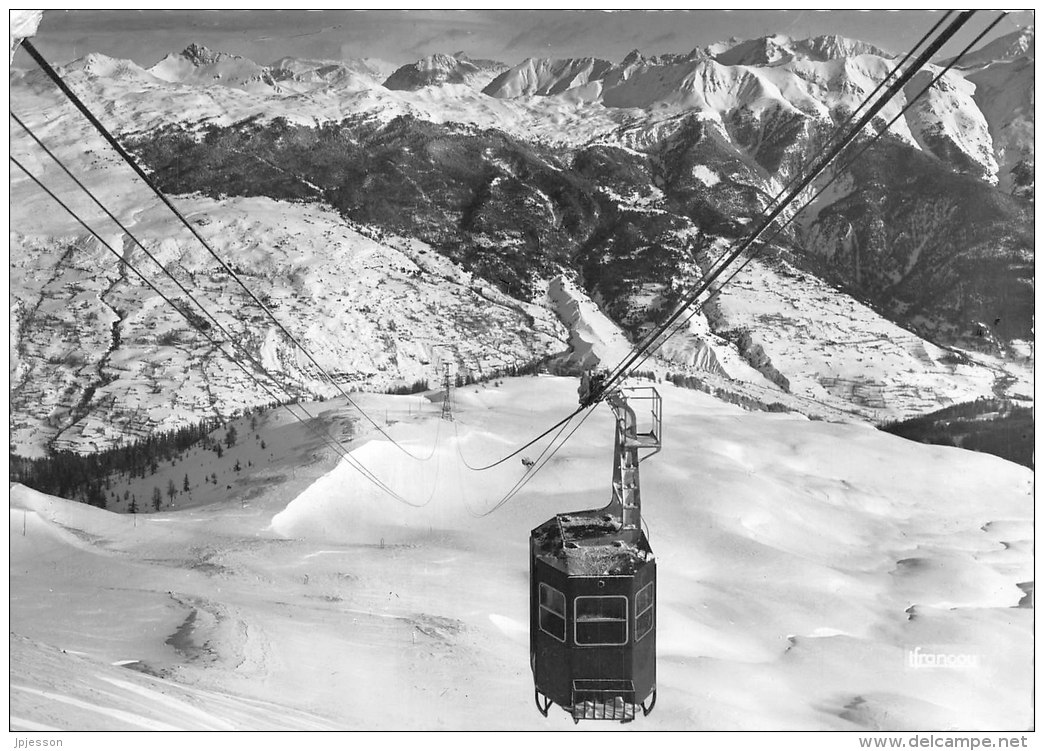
593	587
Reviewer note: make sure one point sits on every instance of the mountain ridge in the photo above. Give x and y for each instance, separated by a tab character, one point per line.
440	69
630	205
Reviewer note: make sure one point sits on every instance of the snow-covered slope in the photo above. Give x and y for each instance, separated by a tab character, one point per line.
833	46
776	49
371	70
377	309
945	121
1003	75
594	340
548	77
835	350
377	312
708	137
800	564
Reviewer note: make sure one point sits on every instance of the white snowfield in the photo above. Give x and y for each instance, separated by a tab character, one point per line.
811	575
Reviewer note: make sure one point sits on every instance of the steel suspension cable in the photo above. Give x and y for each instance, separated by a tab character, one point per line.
352	461
519	450
839	129
836	174
619	372
778	196
229	337
818	167
100	127
538	465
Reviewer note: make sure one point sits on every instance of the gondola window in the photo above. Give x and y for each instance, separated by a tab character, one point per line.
601	621
552	612
643	608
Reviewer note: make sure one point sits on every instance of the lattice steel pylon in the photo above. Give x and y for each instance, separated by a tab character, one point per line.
447	411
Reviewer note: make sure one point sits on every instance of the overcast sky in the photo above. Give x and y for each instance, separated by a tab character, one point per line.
506	35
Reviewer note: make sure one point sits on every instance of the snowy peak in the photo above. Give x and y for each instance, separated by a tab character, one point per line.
197	64
769	50
674	58
495	67
1004	93
440	69
199	55
96	65
589	78
633	57
548	77
433	70
834	47
761	89
297	74
777	49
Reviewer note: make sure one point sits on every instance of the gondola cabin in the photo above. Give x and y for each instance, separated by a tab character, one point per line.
593	590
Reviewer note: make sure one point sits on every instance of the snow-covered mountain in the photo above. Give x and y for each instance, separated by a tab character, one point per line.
1003	75
437	70
773	50
201	66
624	180
197	65
323	72
581	77
96	67
820	79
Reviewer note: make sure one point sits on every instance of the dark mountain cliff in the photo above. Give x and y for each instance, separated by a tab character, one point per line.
437	70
